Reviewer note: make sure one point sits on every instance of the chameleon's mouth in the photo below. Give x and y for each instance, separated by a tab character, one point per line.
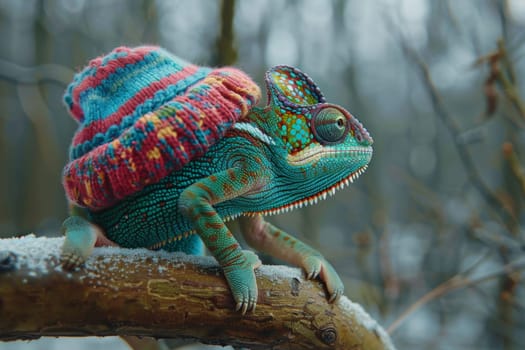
313	154
330	191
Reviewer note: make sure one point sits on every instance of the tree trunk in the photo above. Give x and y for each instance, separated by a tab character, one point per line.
144	293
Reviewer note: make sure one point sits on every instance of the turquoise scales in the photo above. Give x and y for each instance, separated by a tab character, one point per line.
293	152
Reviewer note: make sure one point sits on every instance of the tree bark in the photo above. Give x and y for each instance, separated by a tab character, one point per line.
143	293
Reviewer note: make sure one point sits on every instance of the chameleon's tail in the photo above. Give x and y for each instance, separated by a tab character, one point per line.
191	244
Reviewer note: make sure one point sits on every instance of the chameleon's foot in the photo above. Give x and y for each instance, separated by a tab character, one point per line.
241	279
81	237
317	266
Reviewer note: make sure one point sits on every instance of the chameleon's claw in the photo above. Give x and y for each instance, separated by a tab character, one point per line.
313	274
312	266
252	303
70	261
238	306
335	296
244	307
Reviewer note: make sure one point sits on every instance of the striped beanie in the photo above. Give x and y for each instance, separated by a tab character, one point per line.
144	113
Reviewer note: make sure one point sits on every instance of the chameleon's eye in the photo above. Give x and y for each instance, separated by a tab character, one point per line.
330	125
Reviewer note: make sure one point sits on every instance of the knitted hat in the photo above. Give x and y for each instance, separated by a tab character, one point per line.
144	113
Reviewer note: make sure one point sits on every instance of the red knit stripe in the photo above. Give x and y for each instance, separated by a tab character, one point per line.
102	125
102	72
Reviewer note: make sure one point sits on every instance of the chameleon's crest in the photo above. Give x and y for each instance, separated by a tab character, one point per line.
305	120
292	95
288	88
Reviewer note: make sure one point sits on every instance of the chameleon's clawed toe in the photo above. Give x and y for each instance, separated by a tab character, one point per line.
70	261
252	302
312	266
246	305
335	296
313	275
244	308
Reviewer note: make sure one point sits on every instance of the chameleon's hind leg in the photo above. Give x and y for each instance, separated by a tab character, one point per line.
81	237
267	238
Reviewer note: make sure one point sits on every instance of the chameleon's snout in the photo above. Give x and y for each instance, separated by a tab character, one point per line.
361	135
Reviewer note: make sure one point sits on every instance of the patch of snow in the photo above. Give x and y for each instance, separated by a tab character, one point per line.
32	252
279	272
142	254
368	322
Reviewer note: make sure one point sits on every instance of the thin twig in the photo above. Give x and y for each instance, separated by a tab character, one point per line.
517	170
508	81
456	282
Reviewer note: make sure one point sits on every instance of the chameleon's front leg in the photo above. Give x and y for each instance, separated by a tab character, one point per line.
196	203
267	238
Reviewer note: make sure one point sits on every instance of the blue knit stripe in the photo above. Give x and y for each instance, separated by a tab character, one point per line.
150	105
89	71
123	85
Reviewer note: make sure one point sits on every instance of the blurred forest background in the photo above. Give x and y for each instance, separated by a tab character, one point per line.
440	213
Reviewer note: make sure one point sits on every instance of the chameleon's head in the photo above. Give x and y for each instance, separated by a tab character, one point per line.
324	146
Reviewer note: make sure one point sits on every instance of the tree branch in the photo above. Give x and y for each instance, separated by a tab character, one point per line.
144	293
54	73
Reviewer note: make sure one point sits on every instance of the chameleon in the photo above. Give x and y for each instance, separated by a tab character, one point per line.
175	170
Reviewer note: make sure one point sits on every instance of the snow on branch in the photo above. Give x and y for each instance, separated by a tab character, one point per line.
144	293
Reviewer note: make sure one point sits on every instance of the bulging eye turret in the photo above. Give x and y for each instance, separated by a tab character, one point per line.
330	125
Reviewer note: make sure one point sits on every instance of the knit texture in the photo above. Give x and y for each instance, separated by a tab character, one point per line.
144	113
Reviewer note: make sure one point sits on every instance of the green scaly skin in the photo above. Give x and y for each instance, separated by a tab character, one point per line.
259	167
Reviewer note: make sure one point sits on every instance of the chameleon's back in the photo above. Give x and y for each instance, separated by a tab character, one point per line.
151	218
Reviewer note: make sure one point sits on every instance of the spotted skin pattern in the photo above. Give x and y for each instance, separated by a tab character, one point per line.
293	152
